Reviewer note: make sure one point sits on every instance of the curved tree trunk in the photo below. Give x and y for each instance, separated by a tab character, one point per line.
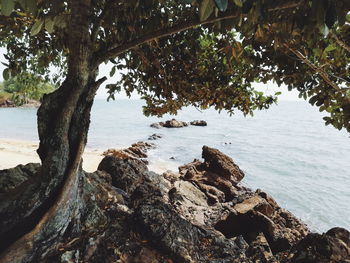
49	201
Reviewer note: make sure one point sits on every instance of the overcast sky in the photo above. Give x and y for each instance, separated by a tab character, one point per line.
104	71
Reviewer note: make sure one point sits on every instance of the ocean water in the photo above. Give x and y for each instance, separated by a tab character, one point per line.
286	150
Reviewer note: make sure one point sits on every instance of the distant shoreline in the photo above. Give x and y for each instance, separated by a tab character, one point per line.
6	103
14	152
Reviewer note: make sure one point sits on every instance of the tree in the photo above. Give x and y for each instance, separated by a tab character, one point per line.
175	53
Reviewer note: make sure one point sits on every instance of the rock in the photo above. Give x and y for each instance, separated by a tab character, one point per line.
12	178
155	136
218	170
256	203
157	125
129	214
198	123
326	248
173	123
6	104
137	150
222	164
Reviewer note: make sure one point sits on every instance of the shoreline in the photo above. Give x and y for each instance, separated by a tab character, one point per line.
14	152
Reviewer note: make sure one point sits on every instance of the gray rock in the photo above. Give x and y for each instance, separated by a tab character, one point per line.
199	123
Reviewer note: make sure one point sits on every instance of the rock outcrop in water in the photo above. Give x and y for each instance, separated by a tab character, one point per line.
199	123
201	214
173	123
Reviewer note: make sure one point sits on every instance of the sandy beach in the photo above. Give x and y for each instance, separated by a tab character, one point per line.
15	152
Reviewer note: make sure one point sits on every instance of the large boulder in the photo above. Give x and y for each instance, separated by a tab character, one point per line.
217	176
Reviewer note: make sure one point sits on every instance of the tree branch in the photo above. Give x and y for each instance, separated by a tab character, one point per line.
114	52
317	69
99	20
340	42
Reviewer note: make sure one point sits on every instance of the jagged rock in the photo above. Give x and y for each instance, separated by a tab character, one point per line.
137	150
173	123
198	123
129	214
217	170
331	247
154	136
218	162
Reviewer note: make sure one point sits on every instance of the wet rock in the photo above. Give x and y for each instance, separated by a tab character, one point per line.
155	136
157	125
198	123
173	123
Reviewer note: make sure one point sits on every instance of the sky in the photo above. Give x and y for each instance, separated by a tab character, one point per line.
104	70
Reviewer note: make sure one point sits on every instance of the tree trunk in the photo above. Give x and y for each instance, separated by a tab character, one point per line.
49	201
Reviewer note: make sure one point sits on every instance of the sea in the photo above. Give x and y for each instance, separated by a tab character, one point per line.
286	151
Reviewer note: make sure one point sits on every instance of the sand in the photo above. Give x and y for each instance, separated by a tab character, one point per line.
15	152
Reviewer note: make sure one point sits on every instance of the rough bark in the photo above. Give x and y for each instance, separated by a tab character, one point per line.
49	200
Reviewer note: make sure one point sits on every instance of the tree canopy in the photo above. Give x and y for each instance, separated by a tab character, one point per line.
205	53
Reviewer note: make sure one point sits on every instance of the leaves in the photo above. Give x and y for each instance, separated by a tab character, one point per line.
111	74
206	8
6	74
49	24
238	3
36	27
221	4
186	1
7	7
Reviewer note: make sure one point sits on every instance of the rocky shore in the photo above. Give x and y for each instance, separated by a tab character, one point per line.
10	104
200	214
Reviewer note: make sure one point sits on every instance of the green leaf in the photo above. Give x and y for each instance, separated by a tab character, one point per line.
111	74
60	21
31	6
330	48
238	3
347	18
6	74
49	24
221	4
36	27
206	8
186	1
7	7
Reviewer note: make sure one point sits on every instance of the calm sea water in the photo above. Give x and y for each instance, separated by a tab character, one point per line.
287	150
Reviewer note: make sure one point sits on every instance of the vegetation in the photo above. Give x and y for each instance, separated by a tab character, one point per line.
174	53
24	87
